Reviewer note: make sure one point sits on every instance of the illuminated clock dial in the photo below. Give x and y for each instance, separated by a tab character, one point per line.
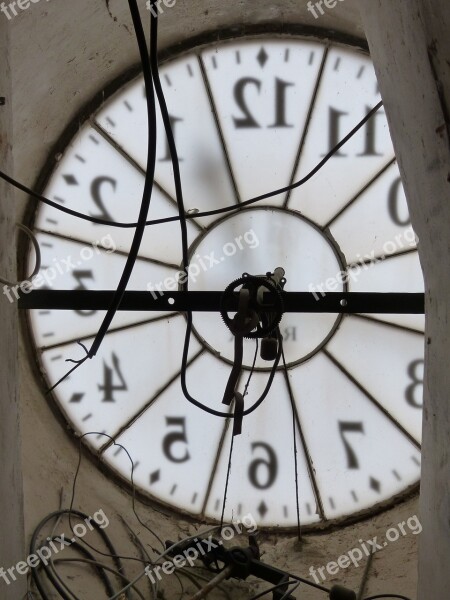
249	116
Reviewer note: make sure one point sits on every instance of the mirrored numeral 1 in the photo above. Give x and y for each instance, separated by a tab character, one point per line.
336	133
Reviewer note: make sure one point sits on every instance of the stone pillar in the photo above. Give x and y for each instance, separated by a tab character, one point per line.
410	46
12	545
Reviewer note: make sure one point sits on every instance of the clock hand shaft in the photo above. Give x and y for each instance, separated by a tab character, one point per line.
293	302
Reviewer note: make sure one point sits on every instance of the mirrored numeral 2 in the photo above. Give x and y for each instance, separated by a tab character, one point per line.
96	193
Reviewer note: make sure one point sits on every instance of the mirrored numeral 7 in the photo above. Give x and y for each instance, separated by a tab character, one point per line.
350	427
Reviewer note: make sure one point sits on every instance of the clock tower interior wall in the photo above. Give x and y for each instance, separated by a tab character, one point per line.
61	58
11	496
410	47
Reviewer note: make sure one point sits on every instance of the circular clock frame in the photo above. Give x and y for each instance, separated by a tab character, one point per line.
199	44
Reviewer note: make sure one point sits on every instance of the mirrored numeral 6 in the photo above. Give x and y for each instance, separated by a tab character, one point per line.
263	472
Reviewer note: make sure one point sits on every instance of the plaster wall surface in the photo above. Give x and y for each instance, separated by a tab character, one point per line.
63	53
11	493
411	49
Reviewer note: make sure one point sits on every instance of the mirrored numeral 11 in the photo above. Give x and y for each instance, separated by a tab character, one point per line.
336	133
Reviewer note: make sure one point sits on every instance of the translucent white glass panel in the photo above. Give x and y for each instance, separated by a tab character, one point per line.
131	366
359	456
263	464
401	274
68	265
263	92
388	363
174	442
204	171
347	92
94	179
377	223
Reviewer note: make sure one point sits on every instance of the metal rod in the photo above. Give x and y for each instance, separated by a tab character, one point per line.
213	583
294	302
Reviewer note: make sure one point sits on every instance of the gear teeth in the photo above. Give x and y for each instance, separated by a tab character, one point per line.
278	311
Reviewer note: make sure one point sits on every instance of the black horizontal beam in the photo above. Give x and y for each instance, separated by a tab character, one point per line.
294	302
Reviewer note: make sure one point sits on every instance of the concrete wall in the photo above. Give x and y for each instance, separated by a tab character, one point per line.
410	45
11	493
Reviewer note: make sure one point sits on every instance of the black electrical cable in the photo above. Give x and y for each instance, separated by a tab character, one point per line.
133	494
273	588
218	211
289	592
171	145
225	493
183	222
218	413
145	556
101	567
294	427
230	455
147	192
387	596
33	543
149	176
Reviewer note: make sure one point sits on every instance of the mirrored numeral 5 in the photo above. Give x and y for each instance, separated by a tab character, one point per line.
176	437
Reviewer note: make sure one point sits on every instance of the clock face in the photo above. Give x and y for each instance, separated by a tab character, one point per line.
249	116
